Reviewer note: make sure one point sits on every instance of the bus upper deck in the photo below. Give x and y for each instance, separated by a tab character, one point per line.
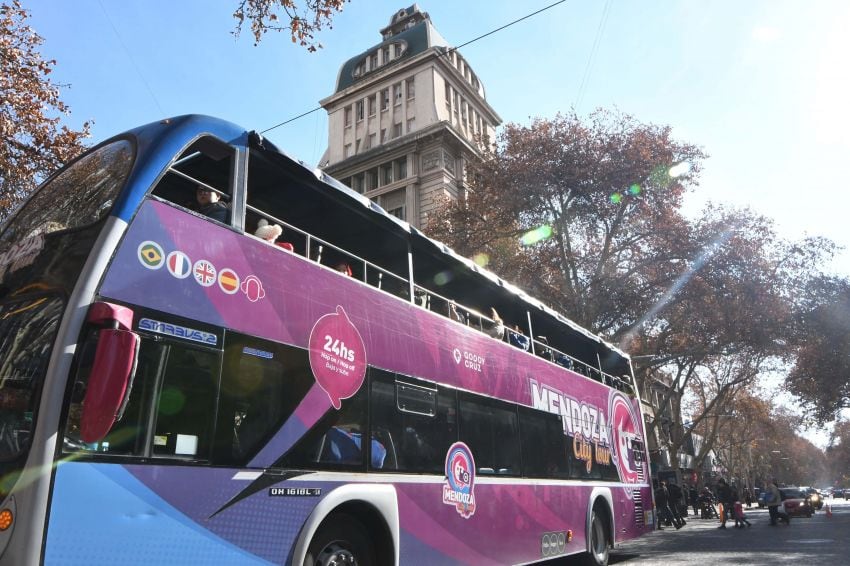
337	225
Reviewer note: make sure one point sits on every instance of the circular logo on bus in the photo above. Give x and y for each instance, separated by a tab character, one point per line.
460	480
151	255
204	272
625	429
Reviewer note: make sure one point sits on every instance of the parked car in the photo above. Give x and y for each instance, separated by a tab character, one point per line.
814	497
796	502
761	499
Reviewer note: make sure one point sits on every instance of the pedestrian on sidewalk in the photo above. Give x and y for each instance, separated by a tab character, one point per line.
675	503
724	496
694	494
740	518
774	500
662	504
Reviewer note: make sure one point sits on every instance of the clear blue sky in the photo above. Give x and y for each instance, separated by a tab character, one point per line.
762	85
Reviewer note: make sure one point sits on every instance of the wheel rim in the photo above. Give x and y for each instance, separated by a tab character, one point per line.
335	554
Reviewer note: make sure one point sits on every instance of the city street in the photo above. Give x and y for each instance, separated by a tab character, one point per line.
814	541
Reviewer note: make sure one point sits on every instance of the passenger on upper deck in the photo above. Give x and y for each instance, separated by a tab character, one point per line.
517	338
343	268
270	233
209	204
497	329
545	351
455	314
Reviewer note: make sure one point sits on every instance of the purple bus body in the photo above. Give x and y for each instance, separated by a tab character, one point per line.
280	296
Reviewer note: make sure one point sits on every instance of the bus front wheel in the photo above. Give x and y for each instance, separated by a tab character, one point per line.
340	541
597	554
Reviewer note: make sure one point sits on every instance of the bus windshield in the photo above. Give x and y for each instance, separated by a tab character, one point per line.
78	196
27	331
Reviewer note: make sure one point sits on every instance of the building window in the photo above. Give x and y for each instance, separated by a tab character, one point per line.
410	87
386	174
359	110
357	182
371	141
400	168
411	125
397	130
457	103
397	93
397	49
346	150
373	104
394	203
372	179
386	54
385	99
448	96
347	113
373	61
357	146
383	135
463	106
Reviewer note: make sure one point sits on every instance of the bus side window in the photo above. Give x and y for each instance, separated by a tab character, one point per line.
185	404
207	162
414	421
491	430
544	444
262	383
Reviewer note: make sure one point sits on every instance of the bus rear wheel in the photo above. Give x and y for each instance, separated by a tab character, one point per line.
597	554
340	541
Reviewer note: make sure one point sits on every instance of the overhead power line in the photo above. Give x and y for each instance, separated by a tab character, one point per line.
489	33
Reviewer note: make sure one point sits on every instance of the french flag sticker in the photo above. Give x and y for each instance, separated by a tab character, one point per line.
179	265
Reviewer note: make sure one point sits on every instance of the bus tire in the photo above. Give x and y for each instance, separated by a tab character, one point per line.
600	540
340	540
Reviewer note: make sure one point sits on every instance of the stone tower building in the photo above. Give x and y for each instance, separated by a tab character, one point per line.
404	119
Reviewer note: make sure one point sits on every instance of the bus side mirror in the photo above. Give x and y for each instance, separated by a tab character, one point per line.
112	372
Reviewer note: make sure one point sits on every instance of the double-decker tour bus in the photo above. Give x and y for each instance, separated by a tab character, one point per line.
177	390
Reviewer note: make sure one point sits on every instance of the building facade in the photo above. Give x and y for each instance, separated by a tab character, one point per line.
406	116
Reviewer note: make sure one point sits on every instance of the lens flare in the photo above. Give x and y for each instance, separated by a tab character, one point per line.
537	235
616	198
443	277
635	190
481	259
679	169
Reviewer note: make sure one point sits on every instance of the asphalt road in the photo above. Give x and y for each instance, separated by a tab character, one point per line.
819	540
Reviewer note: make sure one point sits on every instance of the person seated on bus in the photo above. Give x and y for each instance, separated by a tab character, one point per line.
496	329
209	204
270	233
455	314
563	360
343	268
517	338
545	351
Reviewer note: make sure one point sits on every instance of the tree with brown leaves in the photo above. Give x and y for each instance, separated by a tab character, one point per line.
32	142
301	20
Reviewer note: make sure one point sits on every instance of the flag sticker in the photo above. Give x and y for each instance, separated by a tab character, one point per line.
179	265
228	281
204	273
151	255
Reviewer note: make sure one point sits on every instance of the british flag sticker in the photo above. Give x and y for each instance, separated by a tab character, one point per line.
204	272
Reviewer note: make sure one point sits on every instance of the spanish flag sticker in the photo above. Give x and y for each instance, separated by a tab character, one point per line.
151	255
228	281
